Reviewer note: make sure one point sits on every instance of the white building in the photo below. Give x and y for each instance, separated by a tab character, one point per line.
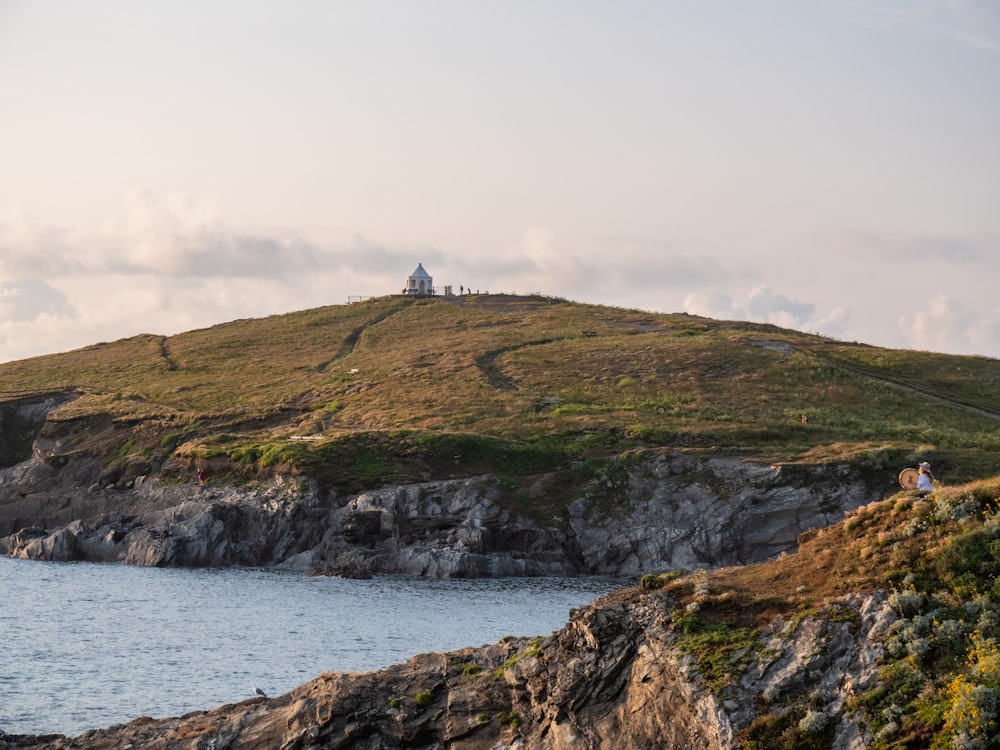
419	282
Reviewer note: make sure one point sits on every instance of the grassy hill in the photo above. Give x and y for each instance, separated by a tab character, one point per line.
400	387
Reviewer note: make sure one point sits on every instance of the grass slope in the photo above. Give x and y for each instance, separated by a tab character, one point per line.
496	371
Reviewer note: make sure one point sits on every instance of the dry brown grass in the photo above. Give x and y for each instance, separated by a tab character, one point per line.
526	366
869	550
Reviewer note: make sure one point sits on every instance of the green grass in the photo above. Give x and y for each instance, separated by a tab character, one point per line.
721	651
453	374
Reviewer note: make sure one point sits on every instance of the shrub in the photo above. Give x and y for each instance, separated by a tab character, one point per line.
813	722
889	730
651	581
915	526
510	718
971	720
424	699
721	652
907	602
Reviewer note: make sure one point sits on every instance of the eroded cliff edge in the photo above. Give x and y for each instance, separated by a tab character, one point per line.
643	511
670	511
619	674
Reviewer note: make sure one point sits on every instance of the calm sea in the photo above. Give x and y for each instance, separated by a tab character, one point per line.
84	645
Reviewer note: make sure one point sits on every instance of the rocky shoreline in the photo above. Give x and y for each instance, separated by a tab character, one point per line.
673	511
611	678
612	673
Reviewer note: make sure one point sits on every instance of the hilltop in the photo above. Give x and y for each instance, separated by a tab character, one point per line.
399	388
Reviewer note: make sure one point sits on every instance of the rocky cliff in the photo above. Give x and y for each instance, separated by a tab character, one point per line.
644	511
619	674
623	672
668	511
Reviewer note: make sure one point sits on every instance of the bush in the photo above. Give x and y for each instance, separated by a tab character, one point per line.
510	718
424	699
813	722
651	581
907	602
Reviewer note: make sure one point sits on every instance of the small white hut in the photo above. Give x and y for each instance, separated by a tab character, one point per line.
419	282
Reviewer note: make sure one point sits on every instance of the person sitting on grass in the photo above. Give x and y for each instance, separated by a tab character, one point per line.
925	480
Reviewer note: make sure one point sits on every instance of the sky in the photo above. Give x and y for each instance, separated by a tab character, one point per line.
831	166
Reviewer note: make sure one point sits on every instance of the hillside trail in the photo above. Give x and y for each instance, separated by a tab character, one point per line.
487	364
901	382
350	341
501	303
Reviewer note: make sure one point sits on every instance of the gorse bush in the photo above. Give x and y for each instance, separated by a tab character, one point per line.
971	720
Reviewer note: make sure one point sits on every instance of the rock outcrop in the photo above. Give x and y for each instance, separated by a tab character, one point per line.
645	511
668	511
612	678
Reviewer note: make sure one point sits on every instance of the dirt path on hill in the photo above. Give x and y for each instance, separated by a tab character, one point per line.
351	340
901	382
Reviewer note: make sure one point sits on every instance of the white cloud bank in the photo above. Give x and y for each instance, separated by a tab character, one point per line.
173	264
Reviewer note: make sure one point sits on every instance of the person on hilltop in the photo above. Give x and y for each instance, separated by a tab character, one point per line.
925	480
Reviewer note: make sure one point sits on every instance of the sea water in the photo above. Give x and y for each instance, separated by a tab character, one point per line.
86	645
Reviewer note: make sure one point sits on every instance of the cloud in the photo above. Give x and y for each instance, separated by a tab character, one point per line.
834	323
678	263
904	248
710	305
180	238
537	260
762	306
949	325
172	264
604	269
28	249
28	299
169	265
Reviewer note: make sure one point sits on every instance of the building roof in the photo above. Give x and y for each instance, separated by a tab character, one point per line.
420	273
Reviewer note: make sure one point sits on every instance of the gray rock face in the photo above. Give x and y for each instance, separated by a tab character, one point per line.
680	511
668	511
178	525
655	511
21	422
